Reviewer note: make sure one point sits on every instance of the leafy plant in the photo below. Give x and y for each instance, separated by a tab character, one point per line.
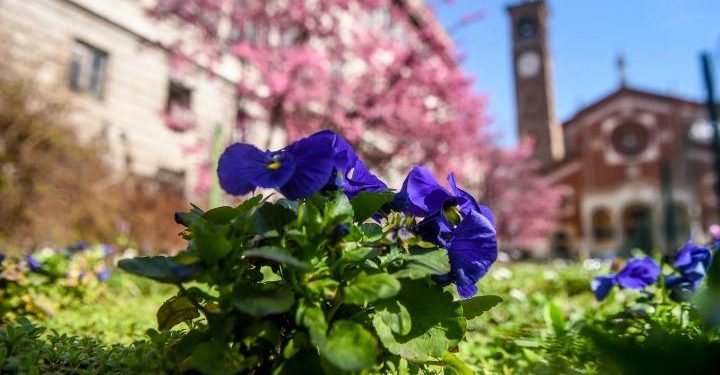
281	286
314	285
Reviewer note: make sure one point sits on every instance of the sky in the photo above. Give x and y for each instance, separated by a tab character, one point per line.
660	39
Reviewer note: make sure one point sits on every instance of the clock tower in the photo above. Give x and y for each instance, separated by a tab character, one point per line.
532	67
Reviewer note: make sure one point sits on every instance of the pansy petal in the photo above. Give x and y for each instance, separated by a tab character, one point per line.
602	285
433	229
423	191
313	165
360	179
354	171
638	273
466	291
470	202
344	154
472	248
278	170
239	166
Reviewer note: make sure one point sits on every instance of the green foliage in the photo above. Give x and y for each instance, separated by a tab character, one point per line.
543	326
60	278
289	286
26	349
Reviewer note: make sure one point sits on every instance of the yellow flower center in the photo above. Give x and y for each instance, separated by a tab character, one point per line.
452	214
274	165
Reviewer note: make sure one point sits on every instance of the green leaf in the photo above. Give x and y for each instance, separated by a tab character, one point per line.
358	254
554	318
174	311
437	323
270	299
275	254
272	216
366	204
455	365
291	205
423	263
337	210
476	306
159	268
313	319
214	358
372	231
249	204
350	347
370	288
210	241
396	316
220	215
302	363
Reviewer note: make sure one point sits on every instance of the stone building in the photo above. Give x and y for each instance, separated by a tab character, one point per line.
636	166
112	61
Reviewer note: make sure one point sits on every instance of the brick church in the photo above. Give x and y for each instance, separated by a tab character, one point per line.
636	167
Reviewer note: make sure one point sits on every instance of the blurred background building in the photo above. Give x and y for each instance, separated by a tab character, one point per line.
636	166
116	64
113	61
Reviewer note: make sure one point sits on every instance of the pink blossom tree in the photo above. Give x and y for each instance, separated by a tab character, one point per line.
526	205
382	73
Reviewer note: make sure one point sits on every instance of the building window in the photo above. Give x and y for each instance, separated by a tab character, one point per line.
527	29
602	225
638	228
630	139
88	69
178	110
560	244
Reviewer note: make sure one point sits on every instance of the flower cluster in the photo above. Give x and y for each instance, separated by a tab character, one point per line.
325	161
76	264
455	221
691	264
638	273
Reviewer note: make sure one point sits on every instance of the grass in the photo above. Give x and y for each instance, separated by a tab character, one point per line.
120	314
538	328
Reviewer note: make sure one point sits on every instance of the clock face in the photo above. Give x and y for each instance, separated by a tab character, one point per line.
528	64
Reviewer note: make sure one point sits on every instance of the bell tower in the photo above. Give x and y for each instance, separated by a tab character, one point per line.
532	67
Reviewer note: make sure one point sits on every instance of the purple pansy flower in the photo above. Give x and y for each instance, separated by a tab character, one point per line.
80	246
455	221
103	275
350	173
472	249
33	263
638	273
422	195
298	170
691	262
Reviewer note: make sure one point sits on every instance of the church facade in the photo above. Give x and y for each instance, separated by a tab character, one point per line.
636	167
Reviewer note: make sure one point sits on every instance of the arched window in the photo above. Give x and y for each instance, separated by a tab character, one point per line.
678	227
560	244
602	225
637	224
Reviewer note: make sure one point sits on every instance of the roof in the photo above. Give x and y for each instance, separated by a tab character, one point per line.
623	91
